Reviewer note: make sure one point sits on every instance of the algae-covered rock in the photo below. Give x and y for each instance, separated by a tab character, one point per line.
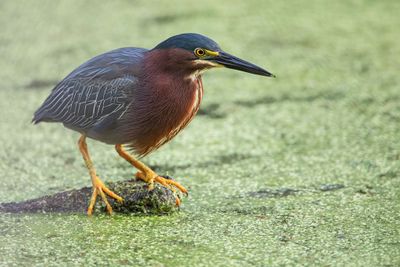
137	199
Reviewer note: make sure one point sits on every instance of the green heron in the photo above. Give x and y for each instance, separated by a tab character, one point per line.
137	98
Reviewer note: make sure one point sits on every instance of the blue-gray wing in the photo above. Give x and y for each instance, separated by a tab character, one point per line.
97	91
80	104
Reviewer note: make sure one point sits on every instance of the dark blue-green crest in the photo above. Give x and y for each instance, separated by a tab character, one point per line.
189	41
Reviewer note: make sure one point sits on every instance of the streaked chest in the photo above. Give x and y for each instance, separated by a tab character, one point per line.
184	107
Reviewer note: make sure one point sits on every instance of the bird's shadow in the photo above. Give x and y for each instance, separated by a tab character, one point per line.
211	111
219	160
40	84
331	96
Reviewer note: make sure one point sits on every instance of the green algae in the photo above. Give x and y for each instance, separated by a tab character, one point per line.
331	117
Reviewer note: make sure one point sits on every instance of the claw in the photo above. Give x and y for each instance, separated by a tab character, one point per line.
100	188
171	183
177	201
149	176
186	193
165	181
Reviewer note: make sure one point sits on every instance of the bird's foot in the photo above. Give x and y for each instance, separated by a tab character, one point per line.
99	188
165	181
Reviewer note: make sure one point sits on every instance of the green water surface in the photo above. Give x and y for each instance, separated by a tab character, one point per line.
299	170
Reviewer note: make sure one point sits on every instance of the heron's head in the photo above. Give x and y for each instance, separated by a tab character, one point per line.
199	52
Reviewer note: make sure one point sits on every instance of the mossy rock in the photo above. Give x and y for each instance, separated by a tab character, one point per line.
137	200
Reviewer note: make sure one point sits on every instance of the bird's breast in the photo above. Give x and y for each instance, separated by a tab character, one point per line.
164	110
182	106
190	108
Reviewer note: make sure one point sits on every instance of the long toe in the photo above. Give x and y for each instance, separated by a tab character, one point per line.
92	202
111	194
168	182
105	200
165	181
99	188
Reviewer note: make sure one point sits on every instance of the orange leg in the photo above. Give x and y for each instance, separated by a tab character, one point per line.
98	186
148	175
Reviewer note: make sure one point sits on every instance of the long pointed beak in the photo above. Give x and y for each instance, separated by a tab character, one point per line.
236	63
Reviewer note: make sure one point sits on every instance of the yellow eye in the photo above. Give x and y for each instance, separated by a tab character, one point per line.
199	52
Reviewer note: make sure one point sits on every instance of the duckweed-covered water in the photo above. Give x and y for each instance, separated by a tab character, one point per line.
303	169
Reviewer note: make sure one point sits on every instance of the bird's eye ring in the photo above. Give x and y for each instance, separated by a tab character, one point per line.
199	52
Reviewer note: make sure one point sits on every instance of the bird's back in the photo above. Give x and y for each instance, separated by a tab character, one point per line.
95	94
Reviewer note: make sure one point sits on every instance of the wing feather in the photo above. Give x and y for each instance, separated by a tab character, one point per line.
100	88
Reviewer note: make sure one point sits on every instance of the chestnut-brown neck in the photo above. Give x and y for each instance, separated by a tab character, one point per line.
170	97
